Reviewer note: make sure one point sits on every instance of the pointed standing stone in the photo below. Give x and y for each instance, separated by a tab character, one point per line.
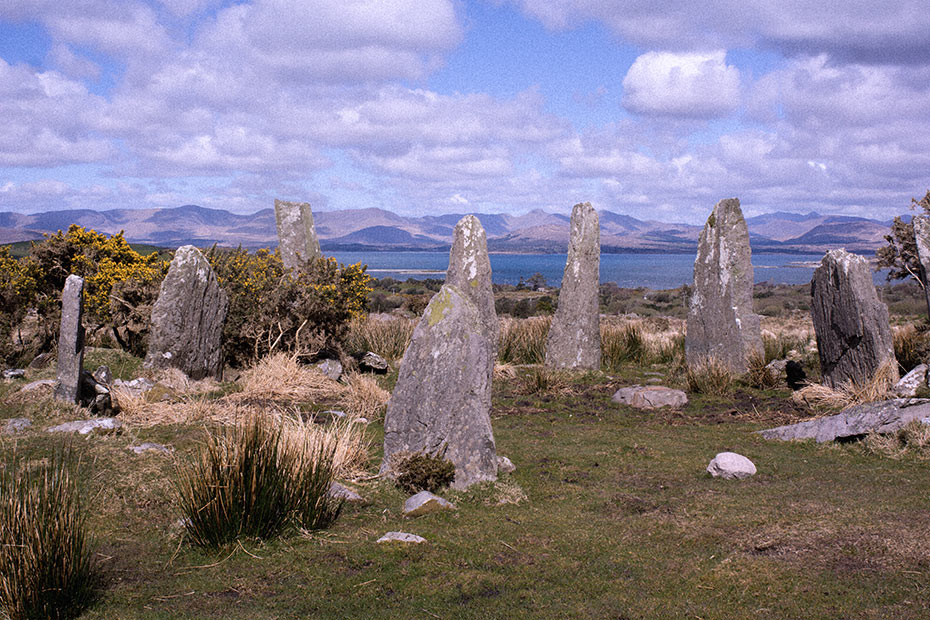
721	323
297	240
71	341
470	271
922	237
574	339
851	323
441	404
188	317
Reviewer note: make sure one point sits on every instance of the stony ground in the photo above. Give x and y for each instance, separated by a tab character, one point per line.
609	514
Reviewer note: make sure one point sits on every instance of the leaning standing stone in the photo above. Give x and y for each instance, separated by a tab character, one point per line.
470	271
441	404
851	323
575	335
297	240
188	318
922	238
71	341
721	323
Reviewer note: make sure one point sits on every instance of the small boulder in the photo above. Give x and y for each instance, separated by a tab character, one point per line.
505	465
103	375
38	385
372	362
424	503
13	373
331	369
15	425
911	382
136	387
84	427
731	466
795	375
339	491
650	397
151	447
402	537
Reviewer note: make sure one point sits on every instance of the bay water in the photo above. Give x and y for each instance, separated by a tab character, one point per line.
655	271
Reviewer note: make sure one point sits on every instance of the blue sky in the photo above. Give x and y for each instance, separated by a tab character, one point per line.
656	110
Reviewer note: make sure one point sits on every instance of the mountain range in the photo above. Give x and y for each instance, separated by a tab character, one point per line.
377	229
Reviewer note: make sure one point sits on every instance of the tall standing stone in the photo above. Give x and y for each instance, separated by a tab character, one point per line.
297	240
188	317
574	339
851	323
721	323
71	341
470	271
922	238
441	403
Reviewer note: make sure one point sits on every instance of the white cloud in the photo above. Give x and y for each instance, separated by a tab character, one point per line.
684	85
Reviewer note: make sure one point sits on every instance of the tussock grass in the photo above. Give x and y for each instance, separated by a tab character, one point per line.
642	341
388	338
878	387
46	561
622	344
523	341
363	397
911	440
710	376
758	375
911	345
254	481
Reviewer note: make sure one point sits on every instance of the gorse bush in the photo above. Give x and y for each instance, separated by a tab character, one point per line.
46	562
275	309
250	481
420	471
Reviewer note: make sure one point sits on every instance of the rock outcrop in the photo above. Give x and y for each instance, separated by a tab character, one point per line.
881	417
188	317
851	323
574	339
721	323
297	240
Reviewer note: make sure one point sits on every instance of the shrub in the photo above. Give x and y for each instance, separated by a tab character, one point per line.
274	309
709	376
249	481
18	287
523	341
420	471
46	563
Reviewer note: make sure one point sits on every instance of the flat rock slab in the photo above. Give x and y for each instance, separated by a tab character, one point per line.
650	397
339	491
84	427
14	373
332	369
911	382
38	385
402	537
151	447
15	425
731	466
424	503
881	417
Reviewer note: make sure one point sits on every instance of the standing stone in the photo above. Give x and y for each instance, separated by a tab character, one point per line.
721	323
851	323
297	240
188	318
575	335
470	272
922	237
71	341
441	404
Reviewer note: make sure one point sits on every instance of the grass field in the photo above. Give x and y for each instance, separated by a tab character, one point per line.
609	514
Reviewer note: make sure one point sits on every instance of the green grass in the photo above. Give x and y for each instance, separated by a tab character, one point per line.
619	521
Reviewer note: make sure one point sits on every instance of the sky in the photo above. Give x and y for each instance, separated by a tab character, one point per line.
652	109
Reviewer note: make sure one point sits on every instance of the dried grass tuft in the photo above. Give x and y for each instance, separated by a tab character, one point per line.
523	341
281	378
876	388
911	440
388	338
710	376
363	397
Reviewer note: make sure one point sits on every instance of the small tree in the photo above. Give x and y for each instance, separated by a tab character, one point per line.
899	256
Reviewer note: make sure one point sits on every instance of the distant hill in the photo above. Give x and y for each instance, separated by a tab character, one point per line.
378	229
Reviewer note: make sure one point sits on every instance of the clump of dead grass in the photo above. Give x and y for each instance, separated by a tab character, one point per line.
911	440
709	376
388	338
877	387
363	397
758	374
